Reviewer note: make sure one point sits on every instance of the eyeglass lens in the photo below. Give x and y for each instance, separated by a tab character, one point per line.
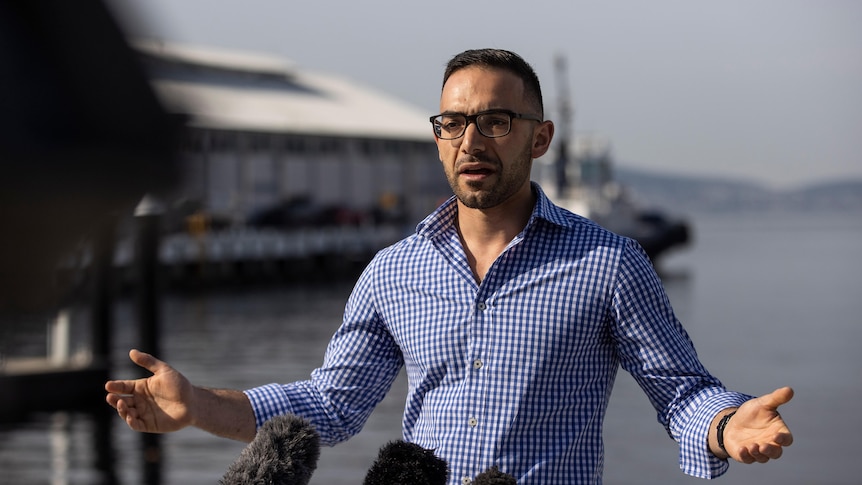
490	124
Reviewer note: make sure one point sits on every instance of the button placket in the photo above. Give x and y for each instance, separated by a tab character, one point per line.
479	338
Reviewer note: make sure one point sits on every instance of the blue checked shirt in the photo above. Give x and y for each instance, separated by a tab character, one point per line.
516	371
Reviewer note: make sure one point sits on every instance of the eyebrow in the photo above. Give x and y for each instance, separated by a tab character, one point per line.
492	110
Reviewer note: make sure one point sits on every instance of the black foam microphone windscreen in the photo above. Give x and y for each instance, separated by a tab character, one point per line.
402	463
284	452
493	476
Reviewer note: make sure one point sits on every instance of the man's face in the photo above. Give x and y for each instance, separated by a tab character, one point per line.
484	172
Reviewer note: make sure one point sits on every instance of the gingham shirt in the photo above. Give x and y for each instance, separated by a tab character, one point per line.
516	371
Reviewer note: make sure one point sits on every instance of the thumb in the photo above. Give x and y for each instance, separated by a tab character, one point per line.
147	361
777	398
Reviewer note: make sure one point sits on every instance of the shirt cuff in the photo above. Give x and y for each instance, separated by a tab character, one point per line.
695	459
268	401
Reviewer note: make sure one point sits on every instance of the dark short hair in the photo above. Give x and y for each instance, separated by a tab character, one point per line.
500	59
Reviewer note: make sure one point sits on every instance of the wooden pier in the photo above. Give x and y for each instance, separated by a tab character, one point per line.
237	256
30	385
58	380
76	382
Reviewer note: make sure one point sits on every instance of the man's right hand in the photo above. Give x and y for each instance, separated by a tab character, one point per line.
160	403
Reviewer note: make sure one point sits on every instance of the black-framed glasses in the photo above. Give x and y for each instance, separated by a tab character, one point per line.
492	123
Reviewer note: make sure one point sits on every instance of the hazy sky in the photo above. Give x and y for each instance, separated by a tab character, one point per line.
763	89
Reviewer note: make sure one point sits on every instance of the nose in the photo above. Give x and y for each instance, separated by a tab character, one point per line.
472	141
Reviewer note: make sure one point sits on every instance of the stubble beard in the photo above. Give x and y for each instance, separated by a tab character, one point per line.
481	195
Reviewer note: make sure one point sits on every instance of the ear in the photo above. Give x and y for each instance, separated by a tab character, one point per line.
542	137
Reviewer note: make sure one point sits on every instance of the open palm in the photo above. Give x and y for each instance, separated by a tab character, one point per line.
156	404
757	432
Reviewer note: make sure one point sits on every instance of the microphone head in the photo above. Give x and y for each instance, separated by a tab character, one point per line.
284	451
402	463
493	476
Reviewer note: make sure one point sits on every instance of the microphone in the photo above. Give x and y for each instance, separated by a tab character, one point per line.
284	451
493	476
402	463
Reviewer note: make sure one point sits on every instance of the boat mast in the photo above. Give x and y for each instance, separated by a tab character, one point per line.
565	123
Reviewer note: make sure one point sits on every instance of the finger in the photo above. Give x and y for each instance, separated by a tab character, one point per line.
757	452
130	415
745	456
751	454
120	387
784	438
127	409
777	397
120	403
147	361
113	400
772	452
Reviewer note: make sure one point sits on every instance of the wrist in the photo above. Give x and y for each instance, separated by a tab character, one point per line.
223	412
199	396
717	433
719	430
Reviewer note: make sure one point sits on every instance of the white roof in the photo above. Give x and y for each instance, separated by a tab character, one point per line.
273	95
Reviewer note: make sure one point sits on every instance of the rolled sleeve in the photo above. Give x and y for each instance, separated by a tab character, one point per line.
301	399
695	459
360	365
268	401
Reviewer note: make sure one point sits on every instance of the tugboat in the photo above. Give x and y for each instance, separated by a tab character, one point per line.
582	174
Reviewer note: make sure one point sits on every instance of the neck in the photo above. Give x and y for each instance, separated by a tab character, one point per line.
485	233
503	221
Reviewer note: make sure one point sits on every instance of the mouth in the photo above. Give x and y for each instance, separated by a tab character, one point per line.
476	176
475	171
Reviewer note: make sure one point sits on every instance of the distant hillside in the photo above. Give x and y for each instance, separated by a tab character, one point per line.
655	189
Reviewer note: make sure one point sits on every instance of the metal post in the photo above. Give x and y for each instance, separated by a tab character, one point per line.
148	215
102	308
102	296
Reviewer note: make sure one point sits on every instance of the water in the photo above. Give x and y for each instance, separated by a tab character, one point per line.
769	300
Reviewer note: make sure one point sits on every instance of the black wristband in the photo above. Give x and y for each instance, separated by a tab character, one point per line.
719	435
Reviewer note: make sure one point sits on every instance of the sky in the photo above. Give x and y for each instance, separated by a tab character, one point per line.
767	90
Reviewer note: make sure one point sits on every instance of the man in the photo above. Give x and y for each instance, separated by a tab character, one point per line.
510	315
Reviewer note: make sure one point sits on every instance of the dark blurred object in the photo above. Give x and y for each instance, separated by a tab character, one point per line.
284	451
402	463
303	212
493	476
82	139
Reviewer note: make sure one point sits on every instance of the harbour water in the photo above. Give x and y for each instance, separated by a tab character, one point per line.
770	299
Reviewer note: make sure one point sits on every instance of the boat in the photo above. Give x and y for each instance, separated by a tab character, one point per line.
582	182
579	177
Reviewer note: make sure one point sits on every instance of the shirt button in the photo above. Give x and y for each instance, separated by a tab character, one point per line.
466	481
473	422
481	305
477	364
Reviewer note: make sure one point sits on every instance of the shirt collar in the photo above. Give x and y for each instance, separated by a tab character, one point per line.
444	217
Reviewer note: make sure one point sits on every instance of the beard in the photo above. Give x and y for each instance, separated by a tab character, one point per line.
487	194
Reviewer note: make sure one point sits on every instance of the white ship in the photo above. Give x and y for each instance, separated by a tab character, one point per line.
581	180
579	177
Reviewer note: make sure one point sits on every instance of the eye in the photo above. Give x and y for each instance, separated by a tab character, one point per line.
496	119
451	123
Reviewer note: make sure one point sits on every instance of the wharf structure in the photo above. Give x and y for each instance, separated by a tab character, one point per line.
285	164
278	170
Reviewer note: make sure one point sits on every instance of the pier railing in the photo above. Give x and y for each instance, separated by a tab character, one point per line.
243	251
